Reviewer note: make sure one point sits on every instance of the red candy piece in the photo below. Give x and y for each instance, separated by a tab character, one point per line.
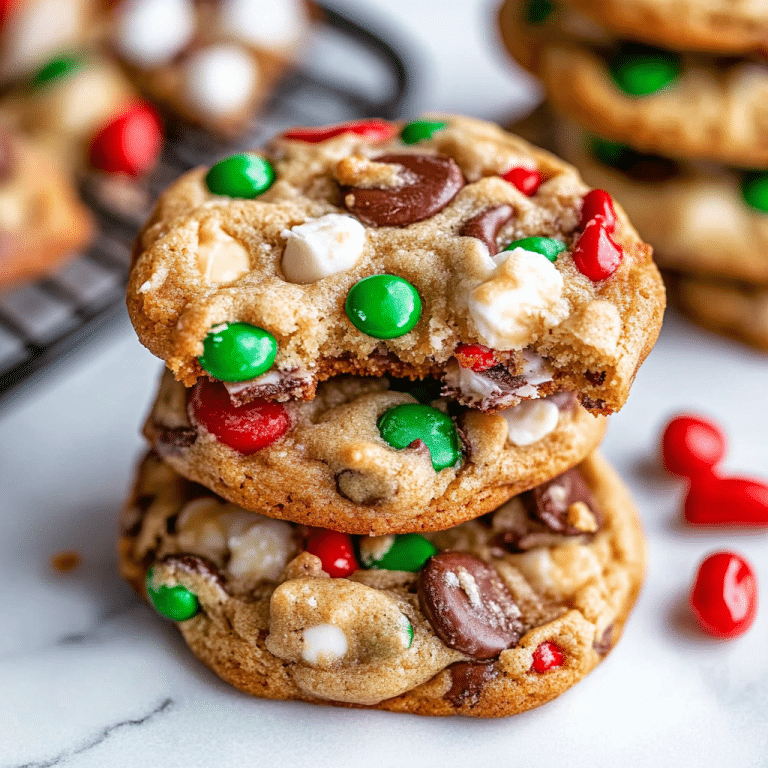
724	595
130	143
595	254
691	445
375	130
335	550
598	203
547	656
475	356
525	179
247	428
713	500
5	7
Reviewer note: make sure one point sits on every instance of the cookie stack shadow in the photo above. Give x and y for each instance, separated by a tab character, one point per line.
374	479
665	106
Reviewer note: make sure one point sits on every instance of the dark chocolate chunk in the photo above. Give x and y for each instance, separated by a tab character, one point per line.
432	181
486	225
173	440
596	378
468	678
468	605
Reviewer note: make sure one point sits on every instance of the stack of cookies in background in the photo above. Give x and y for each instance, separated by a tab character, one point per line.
374	480
665	105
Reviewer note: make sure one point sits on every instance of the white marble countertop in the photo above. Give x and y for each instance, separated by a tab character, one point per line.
89	676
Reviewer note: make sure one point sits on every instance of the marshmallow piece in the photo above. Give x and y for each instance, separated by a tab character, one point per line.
261	550
220	258
530	421
519	301
151	32
323	644
266	23
322	247
220	80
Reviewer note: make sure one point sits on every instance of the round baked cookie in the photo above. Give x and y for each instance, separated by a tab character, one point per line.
490	618
645	96
364	458
375	248
211	63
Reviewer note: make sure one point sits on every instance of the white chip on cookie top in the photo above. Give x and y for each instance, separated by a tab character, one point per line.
220	79
267	23
220	258
322	247
323	644
152	32
520	299
531	421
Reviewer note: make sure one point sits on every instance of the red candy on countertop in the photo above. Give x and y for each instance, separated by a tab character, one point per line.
247	428
525	179
713	500
475	356
598	203
335	550
691	445
130	143
547	656
724	595
595	254
375	130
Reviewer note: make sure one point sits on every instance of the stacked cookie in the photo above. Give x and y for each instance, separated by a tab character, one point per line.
671	103
391	350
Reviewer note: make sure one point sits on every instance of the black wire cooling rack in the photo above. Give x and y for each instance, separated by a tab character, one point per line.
347	72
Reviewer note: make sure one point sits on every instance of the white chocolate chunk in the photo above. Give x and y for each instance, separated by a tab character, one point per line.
322	247
530	421
151	32
220	80
220	258
323	644
519	301
266	23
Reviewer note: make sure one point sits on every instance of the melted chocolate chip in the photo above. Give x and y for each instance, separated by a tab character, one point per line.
437	180
468	678
194	564
173	440
604	643
595	378
468	605
485	225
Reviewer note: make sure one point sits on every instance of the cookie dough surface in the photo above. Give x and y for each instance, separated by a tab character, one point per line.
509	612
205	260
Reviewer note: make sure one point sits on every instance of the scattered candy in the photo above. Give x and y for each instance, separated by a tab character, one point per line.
713	500
130	143
538	10
56	69
547	656
247	428
373	130
598	203
238	352
419	130
527	180
383	306
754	189
595	254
691	445
475	356
405	424
724	595
640	70
335	550
245	176
546	246
401	552
176	603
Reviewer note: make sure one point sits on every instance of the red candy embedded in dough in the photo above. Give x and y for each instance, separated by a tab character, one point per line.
547	656
713	500
475	356
724	595
375	130
598	203
525	179
247	428
335	550
130	143
691	445
595	254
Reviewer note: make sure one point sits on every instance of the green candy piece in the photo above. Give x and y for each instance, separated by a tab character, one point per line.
245	176
383	306
641	71
408	552
401	425
238	352
611	153
55	69
754	190
418	130
546	246
409	632
538	10
175	603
